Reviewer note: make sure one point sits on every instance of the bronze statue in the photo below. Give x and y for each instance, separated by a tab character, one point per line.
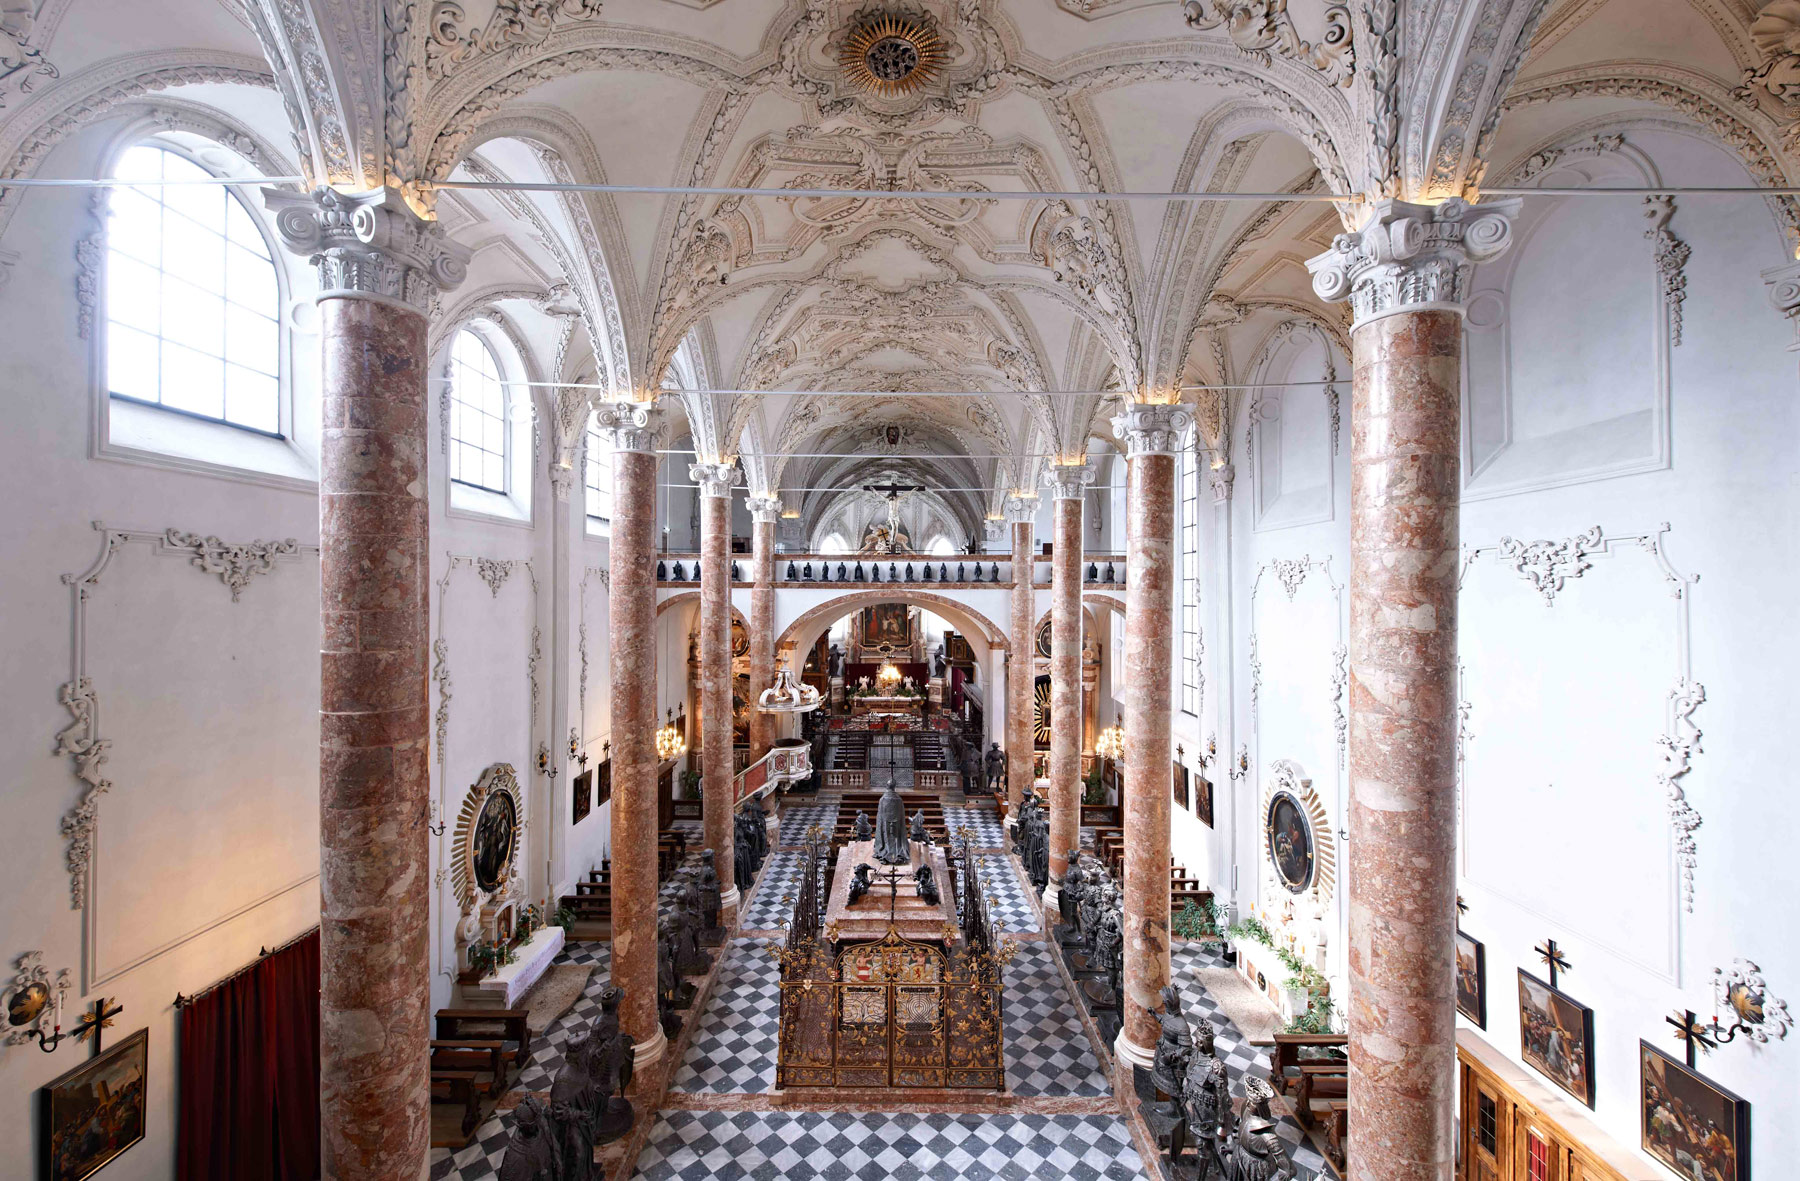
891	846
1068	899
532	1147
917	830
1258	1153
1206	1099
711	899
927	885
861	829
994	763
1174	1047
859	882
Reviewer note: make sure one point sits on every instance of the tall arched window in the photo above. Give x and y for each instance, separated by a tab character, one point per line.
599	478
1190	580
478	434
192	298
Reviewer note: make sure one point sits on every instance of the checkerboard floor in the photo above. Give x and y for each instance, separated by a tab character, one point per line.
800	1146
483	1155
797	818
1009	907
1241	1059
734	1045
773	902
983	822
1047	1051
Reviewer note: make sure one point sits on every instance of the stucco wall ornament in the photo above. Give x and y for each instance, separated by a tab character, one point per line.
1259	27
1380	63
1671	259
1783	283
1549	565
629	426
80	740
369	244
22	61
494	572
1152	428
1754	1013
236	563
1291	572
1776	34
1679	746
1413	257
512	25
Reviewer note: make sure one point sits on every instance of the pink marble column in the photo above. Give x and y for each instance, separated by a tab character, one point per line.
715	481
765	511
1152	434
1406	275
632	605
378	267
1021	667
1069	483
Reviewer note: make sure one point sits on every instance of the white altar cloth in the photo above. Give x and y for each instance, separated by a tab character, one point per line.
507	986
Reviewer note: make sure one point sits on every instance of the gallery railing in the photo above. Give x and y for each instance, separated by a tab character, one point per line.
1098	571
892	1012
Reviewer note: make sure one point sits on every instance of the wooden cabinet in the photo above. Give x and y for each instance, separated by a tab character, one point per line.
1515	1127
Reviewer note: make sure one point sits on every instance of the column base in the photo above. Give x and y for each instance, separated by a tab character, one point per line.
1052	897
730	899
647	1053
1129	1053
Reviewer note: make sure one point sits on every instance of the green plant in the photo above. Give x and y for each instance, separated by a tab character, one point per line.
565	918
1316	1019
1251	928
1198	921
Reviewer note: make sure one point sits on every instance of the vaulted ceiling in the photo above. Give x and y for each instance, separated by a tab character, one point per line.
1030	304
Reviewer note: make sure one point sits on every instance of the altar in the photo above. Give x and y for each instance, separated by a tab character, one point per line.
911	706
509	984
912	916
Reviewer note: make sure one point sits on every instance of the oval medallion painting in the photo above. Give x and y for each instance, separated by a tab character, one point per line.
1290	842
494	833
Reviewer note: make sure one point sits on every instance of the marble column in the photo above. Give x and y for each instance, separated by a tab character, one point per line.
1069	484
765	511
1152	435
1407	276
1021	668
379	266
631	600
715	481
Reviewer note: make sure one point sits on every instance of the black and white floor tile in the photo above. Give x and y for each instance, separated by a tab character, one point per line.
734	1045
801	1146
773	902
1009	906
796	819
1047	1051
1241	1059
984	823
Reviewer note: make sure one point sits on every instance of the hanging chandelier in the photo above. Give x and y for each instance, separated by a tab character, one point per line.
787	696
1110	744
887	678
669	742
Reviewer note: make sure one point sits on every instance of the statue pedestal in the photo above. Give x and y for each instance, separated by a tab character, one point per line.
913	917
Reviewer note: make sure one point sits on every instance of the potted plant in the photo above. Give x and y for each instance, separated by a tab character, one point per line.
690	783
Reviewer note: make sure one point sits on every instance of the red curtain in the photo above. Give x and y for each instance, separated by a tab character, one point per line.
249	1073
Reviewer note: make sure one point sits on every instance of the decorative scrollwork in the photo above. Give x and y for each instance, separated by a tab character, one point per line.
1679	746
1671	259
236	563
494	572
34	1000
1292	573
1260	26
513	25
1548	565
80	740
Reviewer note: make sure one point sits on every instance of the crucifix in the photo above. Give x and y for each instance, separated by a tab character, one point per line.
1688	1029
893	881
1552	956
893	493
98	1018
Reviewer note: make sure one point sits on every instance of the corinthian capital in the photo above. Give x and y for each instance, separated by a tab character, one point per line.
1784	297
715	479
1412	258
629	426
763	509
369	245
1021	510
1069	481
1149	428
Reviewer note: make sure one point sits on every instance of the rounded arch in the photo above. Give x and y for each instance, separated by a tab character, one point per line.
1105	600
686	597
805	631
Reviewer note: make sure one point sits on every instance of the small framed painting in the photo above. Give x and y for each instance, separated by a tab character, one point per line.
1556	1036
1471	979
603	789
1178	783
1695	1127
1203	800
92	1114
584	796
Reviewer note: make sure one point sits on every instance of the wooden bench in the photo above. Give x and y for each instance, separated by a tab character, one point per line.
1337	1130
489	1058
458	1087
1323	1082
1287	1056
506	1025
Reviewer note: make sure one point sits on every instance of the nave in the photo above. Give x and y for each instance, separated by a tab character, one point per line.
1058	1115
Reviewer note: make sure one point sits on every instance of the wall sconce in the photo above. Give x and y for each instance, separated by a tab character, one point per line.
34	1004
1760	1017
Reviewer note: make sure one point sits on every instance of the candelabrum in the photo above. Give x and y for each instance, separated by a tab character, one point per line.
669	742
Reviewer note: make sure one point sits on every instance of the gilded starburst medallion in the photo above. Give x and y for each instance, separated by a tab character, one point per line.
892	55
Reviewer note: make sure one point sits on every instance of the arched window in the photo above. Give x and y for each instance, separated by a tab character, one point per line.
942	547
599	477
1189	486
192	298
478	432
835	544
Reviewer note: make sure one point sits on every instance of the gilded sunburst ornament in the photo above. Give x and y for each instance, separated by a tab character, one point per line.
892	55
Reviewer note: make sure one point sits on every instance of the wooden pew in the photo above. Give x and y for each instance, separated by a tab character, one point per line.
1287	1056
489	1058
458	1087
506	1025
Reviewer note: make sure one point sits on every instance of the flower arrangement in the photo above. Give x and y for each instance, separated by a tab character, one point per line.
489	955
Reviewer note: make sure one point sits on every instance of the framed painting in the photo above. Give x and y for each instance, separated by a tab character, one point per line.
603	781
887	623
95	1112
1691	1125
584	796
1292	850
1556	1036
1471	979
1178	782
1203	800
